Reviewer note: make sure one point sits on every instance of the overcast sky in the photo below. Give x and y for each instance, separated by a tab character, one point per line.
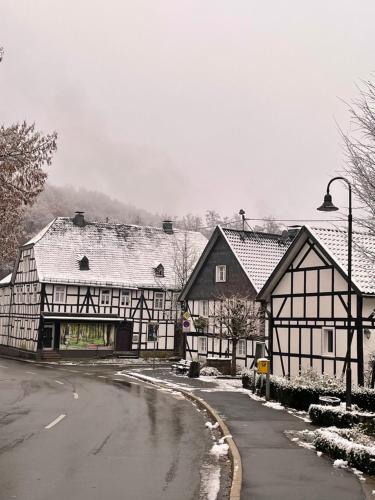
182	106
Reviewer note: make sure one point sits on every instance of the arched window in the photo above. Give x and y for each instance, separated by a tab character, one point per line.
84	264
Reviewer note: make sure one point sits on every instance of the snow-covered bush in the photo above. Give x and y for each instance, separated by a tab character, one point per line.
311	378
303	391
337	416
333	442
210	371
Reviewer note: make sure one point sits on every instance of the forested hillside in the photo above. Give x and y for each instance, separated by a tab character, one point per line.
64	201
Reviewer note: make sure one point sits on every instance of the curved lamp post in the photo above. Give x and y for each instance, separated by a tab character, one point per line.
328	206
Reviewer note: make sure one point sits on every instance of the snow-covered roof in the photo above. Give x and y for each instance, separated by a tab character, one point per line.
257	252
6	280
335	242
119	254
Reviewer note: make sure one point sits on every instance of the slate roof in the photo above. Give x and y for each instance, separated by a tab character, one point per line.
335	242
119	254
257	252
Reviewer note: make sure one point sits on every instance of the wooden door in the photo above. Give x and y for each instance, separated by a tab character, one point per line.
124	336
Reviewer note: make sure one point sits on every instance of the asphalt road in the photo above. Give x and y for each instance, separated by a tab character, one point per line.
75	433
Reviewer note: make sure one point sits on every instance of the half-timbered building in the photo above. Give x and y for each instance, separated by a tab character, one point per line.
307	298
95	288
234	262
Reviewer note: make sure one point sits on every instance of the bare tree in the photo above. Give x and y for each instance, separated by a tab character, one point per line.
269	226
238	317
23	154
184	258
360	151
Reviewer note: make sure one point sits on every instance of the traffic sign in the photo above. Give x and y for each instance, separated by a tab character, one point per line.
186	315
186	326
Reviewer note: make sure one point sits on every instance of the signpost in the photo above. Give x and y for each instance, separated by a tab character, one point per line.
264	369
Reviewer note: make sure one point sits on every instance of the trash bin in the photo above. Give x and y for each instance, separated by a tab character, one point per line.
329	401
194	369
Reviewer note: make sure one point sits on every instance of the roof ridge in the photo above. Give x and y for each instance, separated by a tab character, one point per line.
250	231
124	224
341	230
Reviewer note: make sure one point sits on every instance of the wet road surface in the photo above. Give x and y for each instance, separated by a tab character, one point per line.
75	433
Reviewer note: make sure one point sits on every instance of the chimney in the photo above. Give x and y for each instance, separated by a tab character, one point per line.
293	231
288	235
168	226
79	219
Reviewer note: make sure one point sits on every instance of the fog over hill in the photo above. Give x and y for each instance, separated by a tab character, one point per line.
56	201
64	201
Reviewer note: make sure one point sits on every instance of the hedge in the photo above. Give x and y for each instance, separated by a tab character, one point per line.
301	396
357	455
327	416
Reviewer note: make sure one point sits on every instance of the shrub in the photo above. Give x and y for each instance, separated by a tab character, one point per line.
305	390
210	371
337	416
357	455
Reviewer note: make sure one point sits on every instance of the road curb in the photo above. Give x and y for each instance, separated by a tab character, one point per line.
235	490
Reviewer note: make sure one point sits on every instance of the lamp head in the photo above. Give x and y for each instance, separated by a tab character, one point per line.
327	205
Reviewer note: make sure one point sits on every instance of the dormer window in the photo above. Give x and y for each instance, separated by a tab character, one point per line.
84	264
159	271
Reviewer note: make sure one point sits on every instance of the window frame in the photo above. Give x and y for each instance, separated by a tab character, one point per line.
105	292
155	326
221	273
241	347
125	298
159	299
204	308
325	340
202	339
57	294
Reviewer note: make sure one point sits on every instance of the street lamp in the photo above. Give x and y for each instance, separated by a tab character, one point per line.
328	206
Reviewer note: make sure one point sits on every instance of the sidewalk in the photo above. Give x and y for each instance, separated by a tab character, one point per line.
273	466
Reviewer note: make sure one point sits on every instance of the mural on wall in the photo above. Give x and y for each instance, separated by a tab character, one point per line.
86	335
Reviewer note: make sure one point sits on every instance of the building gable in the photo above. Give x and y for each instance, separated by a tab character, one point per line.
205	285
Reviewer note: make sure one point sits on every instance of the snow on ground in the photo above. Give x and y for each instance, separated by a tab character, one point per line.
219	449
274	405
210	481
340	464
212	426
113	361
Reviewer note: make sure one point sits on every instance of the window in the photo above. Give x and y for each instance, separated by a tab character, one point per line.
152	332
204	308
159	271
59	294
202	344
221	274
84	264
328	340
159	301
242	347
105	297
125	298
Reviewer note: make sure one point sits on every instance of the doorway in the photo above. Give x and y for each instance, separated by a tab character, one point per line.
48	337
124	336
